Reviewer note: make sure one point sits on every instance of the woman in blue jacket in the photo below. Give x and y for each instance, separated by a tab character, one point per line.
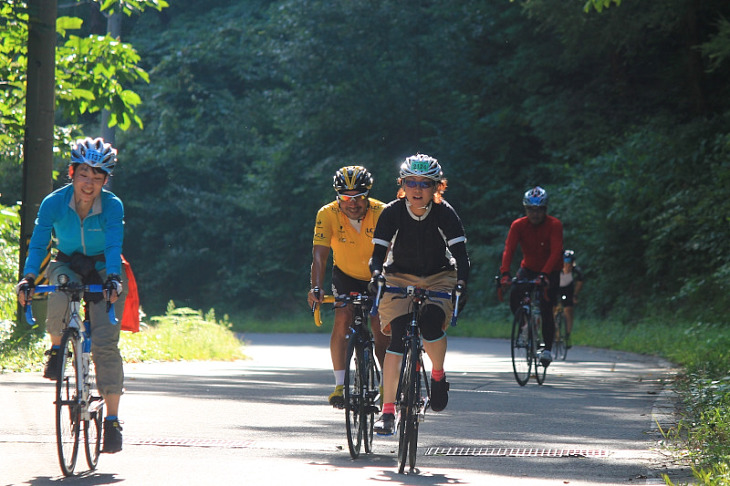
88	224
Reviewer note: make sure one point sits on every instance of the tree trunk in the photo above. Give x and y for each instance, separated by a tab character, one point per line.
39	116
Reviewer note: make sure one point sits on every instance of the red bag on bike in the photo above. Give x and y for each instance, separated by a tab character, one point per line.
130	318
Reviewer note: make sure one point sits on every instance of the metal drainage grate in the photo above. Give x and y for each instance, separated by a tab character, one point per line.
228	444
514	452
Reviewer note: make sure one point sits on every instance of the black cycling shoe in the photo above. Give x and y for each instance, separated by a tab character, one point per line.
53	365
112	436
439	394
385	425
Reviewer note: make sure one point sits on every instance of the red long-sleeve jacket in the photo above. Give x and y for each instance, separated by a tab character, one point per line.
542	245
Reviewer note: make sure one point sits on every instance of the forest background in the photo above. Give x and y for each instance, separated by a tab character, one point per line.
236	113
621	113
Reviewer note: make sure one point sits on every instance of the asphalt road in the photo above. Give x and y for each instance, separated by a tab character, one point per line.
265	421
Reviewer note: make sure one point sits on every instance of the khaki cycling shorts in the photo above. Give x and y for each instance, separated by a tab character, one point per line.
391	306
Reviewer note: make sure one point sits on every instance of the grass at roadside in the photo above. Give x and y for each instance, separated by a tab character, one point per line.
181	334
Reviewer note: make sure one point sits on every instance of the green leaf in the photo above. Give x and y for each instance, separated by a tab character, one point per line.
67	23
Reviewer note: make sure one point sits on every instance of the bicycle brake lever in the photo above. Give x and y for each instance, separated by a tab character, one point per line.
29	316
112	313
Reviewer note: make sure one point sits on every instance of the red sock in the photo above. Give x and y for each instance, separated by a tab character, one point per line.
389	408
437	375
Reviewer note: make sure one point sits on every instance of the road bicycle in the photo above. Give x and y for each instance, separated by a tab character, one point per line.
411	403
560	345
78	402
362	375
526	343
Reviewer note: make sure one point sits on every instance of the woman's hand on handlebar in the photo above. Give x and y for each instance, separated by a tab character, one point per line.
25	289
112	288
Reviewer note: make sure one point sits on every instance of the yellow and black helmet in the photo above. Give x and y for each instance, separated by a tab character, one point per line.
352	178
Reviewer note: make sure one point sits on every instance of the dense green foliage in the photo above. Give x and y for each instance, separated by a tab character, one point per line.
93	72
621	115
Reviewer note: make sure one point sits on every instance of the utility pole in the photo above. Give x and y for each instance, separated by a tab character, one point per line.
39	116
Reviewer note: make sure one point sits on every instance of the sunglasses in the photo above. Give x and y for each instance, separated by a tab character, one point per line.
421	184
356	197
535	209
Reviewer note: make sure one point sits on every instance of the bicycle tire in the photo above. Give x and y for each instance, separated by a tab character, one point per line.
537	348
68	410
409	411
419	408
94	427
521	355
560	349
372	392
354	403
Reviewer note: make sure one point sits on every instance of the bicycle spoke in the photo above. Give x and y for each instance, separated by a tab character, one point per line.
371	391
521	356
353	397
93	428
67	406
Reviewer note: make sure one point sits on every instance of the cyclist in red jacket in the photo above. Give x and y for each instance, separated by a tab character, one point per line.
540	238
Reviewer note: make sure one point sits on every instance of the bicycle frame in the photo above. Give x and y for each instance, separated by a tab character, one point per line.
78	401
530	306
362	375
409	400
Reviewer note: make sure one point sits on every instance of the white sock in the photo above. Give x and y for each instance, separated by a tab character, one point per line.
339	377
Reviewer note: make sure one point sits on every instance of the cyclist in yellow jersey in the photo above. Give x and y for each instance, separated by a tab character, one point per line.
346	226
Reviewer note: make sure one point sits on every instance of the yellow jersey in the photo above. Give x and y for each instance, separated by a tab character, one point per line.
351	249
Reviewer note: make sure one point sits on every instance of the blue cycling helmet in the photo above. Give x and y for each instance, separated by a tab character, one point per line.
535	197
569	256
95	153
421	165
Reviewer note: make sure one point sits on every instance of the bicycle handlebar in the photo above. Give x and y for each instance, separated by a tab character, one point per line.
416	291
39	289
353	297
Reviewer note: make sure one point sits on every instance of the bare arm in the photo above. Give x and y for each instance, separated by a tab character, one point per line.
320	254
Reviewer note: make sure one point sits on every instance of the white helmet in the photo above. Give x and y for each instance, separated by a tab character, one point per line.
421	165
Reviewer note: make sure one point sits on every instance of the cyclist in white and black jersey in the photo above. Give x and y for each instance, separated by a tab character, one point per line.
428	250
571	284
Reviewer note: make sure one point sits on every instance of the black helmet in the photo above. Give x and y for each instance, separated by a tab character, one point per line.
352	178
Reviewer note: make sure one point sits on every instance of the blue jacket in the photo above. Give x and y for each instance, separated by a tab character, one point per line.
101	232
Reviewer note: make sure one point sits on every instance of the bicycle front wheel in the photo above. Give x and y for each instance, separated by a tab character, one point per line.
68	409
408	426
372	392
560	349
93	427
537	347
353	394
521	356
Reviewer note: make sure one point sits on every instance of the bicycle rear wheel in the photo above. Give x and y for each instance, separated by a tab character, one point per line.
408	433
521	356
93	427
68	410
560	349
354	403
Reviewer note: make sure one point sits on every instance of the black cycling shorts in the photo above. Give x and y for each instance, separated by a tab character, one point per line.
431	326
343	284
